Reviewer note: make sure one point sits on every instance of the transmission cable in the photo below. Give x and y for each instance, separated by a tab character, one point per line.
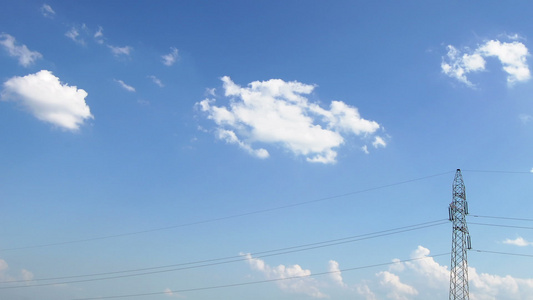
267	280
226	260
225	217
502	253
502	218
499	225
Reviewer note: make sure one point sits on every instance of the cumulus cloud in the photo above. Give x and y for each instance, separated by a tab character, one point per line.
170	59
122	84
49	100
25	56
493	287
512	56
519	241
47	11
301	284
119	51
396	289
156	80
335	273
277	112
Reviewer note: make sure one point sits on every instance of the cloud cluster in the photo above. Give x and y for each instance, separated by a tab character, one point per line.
511	55
302	284
277	112
46	98
25	56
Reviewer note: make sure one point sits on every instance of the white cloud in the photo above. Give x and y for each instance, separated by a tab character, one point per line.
302	284
170	293
379	142
156	81
24	55
44	96
128	88
170	59
396	289
231	138
118	51
335	273
74	34
47	11
492	287
519	241
459	65
277	112
511	55
365	291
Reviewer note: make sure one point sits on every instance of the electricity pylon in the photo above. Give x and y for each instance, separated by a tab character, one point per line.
460	240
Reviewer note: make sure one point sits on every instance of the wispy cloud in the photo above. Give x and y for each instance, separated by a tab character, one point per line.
156	81
122	84
276	112
99	35
25	56
47	99
513	57
47	11
170	59
74	35
119	51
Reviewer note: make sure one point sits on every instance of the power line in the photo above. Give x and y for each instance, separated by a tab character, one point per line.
225	217
226	260
502	218
503	253
263	281
502	172
499	225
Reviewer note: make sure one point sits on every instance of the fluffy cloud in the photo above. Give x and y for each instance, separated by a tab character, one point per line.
44	96
24	55
396	289
118	51
335	273
277	112
47	11
491	287
128	88
511	55
519	241
302	284
170	59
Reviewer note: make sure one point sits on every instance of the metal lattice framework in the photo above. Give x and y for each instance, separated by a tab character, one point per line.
460	240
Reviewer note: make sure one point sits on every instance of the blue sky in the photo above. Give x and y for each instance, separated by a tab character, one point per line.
139	136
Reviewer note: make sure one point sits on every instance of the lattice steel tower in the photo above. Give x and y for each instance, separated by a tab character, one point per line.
460	240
